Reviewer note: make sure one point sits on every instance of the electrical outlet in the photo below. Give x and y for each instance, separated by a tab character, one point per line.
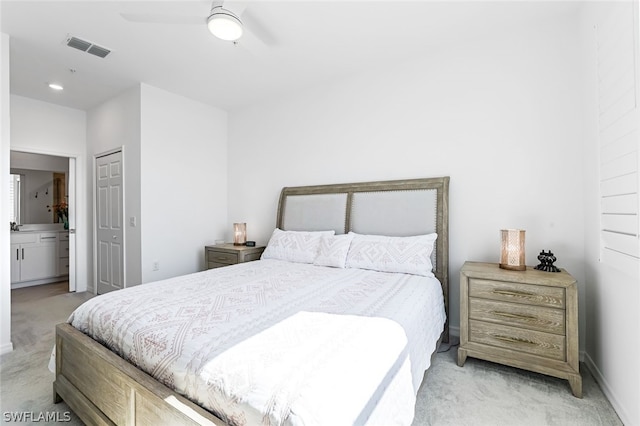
155	266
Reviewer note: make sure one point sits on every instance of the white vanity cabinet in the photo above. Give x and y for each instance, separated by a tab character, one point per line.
34	256
63	253
15	262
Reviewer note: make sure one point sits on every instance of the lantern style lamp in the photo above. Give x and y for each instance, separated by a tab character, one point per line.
239	234
512	253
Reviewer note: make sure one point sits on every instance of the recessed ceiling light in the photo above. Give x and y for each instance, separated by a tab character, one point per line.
55	86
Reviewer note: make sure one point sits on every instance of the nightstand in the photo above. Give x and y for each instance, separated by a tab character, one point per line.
228	254
525	319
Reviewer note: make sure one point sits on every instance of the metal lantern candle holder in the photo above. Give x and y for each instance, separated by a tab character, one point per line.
512	253
239	234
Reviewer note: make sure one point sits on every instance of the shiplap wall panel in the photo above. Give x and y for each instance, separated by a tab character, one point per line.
620	223
621	204
624	244
623	126
619	88
613	54
620	166
619	137
621	185
618	148
618	109
617	260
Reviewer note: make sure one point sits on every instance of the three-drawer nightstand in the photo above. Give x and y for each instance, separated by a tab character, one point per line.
229	254
525	319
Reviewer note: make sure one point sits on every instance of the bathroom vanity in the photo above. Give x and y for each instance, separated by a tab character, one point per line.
39	257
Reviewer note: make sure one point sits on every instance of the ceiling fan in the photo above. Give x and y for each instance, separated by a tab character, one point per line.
227	22
223	23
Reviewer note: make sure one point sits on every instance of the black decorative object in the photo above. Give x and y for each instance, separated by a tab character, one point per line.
546	262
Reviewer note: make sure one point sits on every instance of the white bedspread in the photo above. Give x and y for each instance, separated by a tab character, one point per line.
272	342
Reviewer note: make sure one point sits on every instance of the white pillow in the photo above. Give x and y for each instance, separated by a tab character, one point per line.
294	246
408	255
333	250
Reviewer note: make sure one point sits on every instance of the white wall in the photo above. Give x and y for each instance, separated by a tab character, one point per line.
113	125
175	175
183	184
501	116
61	131
613	298
5	147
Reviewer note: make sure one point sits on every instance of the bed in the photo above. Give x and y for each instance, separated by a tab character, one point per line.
283	340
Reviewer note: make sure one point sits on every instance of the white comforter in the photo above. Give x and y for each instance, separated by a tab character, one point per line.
272	342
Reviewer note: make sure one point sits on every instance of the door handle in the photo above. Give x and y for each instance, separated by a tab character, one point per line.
17	254
22	254
115	237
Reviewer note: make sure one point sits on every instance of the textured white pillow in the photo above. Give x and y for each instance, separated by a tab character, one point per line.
408	255
333	250
294	246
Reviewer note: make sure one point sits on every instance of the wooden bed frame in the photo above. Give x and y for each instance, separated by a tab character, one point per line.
103	389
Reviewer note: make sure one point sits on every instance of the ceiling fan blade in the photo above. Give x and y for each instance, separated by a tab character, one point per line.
260	31
152	18
250	23
252	44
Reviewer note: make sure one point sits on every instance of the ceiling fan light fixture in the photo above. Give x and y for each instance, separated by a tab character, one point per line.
224	24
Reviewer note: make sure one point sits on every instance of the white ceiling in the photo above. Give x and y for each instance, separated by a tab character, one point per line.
303	43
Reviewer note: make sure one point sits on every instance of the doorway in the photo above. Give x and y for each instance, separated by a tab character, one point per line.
43	201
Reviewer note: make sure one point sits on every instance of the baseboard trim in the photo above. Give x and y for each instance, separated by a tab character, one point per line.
39	282
606	389
6	348
454	331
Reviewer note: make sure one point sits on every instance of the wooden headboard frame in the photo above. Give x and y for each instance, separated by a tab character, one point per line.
439	184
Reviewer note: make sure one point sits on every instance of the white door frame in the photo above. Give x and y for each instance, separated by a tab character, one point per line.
72	177
95	217
73	209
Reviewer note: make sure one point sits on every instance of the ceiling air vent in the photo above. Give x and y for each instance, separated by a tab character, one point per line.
88	47
98	51
78	44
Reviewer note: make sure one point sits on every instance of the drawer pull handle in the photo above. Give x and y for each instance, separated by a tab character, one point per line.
509	339
48	238
221	258
513	293
514	316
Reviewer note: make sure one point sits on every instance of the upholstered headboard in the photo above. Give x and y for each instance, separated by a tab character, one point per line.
394	208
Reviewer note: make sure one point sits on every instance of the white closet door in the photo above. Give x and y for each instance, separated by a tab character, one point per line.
109	217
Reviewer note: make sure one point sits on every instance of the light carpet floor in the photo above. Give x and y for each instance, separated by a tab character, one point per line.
480	393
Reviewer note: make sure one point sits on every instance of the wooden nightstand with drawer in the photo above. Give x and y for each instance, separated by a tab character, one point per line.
229	254
525	319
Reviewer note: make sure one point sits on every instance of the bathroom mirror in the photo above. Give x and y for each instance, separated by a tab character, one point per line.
34	195
38	185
